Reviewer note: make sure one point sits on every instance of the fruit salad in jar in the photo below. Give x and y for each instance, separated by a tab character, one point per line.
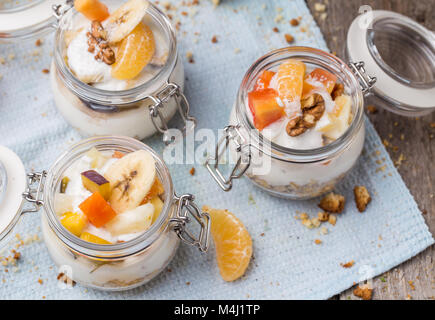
301	110
113	60
108	198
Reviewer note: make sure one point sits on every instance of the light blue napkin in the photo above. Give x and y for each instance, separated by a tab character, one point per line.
287	264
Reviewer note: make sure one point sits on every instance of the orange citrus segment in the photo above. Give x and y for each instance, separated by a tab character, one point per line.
291	80
233	243
134	53
319	77
263	80
92	9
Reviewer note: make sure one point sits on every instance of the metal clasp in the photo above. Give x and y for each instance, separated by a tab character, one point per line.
231	133
186	208
367	82
34	191
60	9
171	90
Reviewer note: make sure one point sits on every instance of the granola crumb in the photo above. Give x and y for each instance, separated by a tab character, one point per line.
318	242
294	22
189	56
324	231
362	198
192	171
40	281
363	292
46	71
332	220
308	223
411	284
214	39
323	216
348	265
372	109
275	30
332	203
188	283
319	7
38	42
304	216
289	38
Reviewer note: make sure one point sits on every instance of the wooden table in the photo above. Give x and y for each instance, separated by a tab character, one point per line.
414	137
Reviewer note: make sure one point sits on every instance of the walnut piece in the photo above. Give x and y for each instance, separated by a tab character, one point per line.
338	91
313	108
363	292
97	42
332	203
362	198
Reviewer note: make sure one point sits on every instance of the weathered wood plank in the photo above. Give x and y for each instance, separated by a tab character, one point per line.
414	139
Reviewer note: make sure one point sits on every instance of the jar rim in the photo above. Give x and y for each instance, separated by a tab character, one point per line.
117	250
122	97
296	155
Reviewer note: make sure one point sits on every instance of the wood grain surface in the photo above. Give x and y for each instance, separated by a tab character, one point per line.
413	138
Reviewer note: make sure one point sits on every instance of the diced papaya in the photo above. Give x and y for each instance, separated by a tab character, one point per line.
95	182
74	222
117	155
89	237
319	77
158	206
263	80
156	190
92	9
265	108
98	210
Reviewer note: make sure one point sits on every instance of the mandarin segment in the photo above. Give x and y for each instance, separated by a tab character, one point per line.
290	78
263	80
134	53
232	241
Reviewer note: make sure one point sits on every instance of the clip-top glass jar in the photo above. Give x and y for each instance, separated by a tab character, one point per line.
138	111
118	266
285	172
403	82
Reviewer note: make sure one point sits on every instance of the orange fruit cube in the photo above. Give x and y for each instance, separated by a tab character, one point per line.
319	77
263	80
135	52
232	241
265	108
92	9
291	80
98	210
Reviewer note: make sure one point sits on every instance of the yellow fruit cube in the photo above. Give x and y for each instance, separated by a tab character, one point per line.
158	206
89	237
74	222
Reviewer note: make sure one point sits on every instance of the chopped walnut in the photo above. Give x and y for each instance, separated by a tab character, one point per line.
338	91
348	265
289	38
362	198
363	292
294	22
295	127
96	42
332	203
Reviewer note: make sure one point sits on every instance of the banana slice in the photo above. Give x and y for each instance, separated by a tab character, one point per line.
131	178
121	22
132	221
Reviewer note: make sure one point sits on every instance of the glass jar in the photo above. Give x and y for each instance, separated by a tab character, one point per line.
390	46
284	172
137	112
119	266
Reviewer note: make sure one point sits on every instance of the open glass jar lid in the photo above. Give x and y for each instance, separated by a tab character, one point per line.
24	19
400	53
12	186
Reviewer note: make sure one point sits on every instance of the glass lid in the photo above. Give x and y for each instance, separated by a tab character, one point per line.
12	185
400	53
26	18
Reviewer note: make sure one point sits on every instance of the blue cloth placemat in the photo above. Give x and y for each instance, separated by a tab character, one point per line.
287	263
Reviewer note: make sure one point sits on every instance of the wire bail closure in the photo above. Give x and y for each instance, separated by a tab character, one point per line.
231	133
186	208
366	81
34	191
171	90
